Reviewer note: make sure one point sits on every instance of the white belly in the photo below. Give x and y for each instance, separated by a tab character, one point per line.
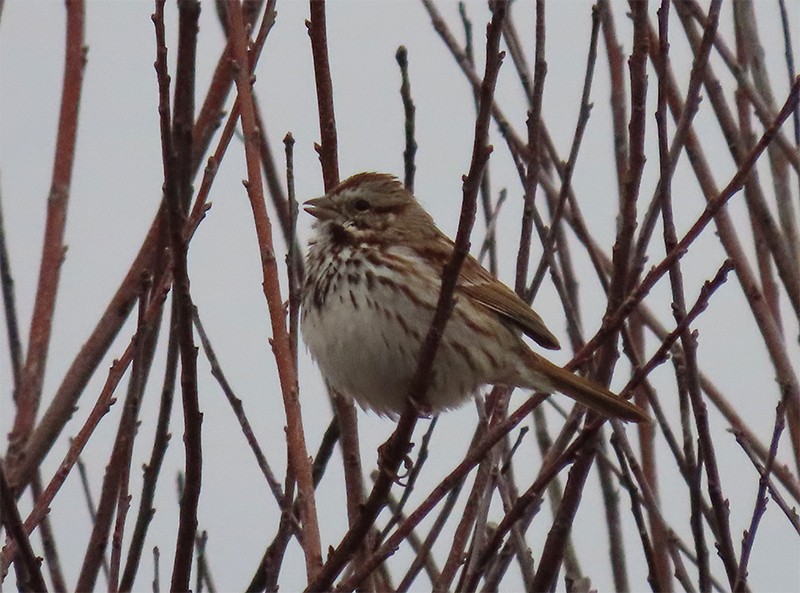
367	336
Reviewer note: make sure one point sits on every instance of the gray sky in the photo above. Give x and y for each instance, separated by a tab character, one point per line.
116	191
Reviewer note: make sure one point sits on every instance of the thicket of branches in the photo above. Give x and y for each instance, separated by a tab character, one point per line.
471	530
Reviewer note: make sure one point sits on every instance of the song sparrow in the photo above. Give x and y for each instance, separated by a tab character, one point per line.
372	282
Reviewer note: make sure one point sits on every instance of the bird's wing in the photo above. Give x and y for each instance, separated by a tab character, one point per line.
479	284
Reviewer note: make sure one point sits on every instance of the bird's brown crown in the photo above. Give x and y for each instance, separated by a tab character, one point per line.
369	203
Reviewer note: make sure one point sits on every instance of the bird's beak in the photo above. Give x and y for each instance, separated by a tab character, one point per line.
321	208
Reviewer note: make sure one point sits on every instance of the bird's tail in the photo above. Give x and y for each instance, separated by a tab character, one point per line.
586	392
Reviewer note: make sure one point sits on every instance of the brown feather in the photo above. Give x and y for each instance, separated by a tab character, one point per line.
479	284
590	394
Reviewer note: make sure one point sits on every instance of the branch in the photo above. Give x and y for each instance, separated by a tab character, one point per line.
32	375
281	346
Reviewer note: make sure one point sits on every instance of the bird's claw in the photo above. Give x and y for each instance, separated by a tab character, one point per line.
385	466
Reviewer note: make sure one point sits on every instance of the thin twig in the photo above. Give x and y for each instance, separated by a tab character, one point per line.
176	142
152	469
409	110
29	388
148	258
10	307
238	410
87	493
101	407
287	371
395	449
761	500
29	574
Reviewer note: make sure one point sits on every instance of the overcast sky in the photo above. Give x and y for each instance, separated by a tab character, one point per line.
116	191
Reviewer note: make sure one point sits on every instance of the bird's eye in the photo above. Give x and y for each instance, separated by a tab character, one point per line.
361	205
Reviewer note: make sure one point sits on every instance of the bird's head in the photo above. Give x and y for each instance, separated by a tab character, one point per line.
370	207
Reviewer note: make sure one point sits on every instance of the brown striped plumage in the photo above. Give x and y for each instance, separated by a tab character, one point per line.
373	277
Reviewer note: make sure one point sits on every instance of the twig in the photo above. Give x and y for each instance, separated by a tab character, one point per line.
569	167
176	142
667	162
140	366
424	552
29	388
327	149
614	321
156	570
745	20
789	54
411	480
654	576
552	553
114	490
100	408
329	160
534	161
395	449
49	543
266	575
700	305
489	245
116	312
790	512
516	145
238	410
203	569
10	307
761	500
29	574
616	66
556	460
153	467
475	510
778	240
684	121
15	354
408	109
293	255
87	493
603	266
451	481
281	346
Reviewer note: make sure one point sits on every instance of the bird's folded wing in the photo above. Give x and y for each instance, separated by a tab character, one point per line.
479	284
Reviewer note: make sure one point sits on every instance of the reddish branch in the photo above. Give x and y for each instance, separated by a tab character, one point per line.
100	408
32	376
534	157
114	494
736	183
327	150
287	372
97	344
395	449
452	480
29	575
176	144
740	584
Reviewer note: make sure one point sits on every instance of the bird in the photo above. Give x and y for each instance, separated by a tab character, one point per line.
373	277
